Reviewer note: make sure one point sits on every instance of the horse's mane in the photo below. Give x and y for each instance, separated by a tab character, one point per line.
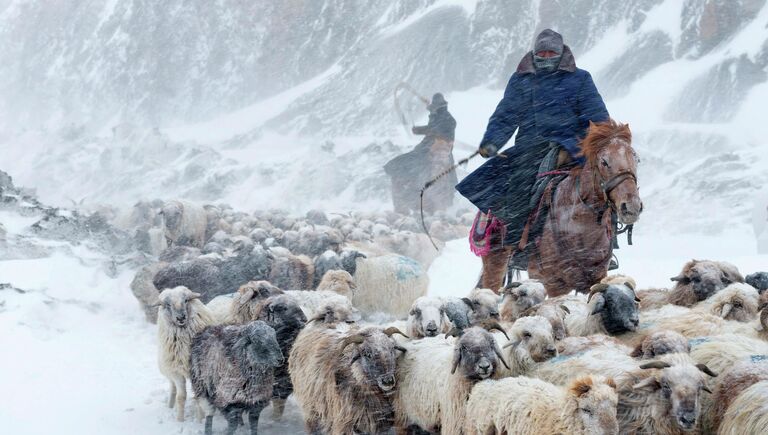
600	135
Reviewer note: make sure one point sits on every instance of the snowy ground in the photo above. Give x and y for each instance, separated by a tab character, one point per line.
79	357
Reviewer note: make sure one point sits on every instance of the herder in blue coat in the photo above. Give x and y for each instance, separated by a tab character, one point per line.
549	102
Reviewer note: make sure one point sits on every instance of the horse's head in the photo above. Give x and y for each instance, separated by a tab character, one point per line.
608	149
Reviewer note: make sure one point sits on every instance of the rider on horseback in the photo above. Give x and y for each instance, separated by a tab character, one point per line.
550	103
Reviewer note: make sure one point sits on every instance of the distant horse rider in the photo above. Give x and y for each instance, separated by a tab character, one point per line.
549	102
410	171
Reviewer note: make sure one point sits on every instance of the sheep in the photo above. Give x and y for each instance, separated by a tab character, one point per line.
737	302
758	280
720	352
316	302
181	316
294	272
145	292
232	370
620	279
185	223
315	241
343	380
436	378
731	383
661	343
389	284
427	318
481	304
520	296
328	260
662	396
523	405
747	414
556	315
694	324
244	305
698	280
610	309
412	245
175	254
338	281
199	275
317	217
530	343
285	316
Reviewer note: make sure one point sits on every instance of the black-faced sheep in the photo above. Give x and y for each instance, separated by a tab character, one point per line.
698	280
185	223
343	381
517	297
233	371
610	309
181	316
525	406
436	378
427	318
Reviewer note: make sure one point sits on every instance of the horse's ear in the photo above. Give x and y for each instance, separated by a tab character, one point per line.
591	124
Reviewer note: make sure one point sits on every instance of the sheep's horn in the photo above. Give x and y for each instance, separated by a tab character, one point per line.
352	339
629	284
565	308
706	389
246	295
393	330
500	356
655	365
400	348
490	325
725	310
705	369
454	332
677	278
456	364
597	288
511	343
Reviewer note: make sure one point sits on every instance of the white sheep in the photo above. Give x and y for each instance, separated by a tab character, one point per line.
181	316
185	223
523	405
427	318
388	284
517	297
315	303
529	343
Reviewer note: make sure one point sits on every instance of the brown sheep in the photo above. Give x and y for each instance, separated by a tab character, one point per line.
661	343
698	280
729	385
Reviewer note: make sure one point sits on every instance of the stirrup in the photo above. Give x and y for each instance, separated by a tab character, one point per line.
614	263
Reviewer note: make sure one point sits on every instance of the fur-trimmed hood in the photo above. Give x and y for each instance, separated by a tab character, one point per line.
567	62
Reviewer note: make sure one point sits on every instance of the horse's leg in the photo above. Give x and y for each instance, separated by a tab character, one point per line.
495	268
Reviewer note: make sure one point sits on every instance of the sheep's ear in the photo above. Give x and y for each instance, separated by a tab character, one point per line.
655	365
649	383
681	279
705	369
511	344
500	355
629	284
246	296
393	330
705	388
456	360
599	304
565	308
401	348
581	386
193	295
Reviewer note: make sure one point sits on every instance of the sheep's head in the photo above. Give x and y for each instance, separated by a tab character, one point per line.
427	318
334	313
282	312
555	314
373	357
661	343
595	400
758	280
678	388
737	302
246	304
258	342
338	281
172	212
520	296
483	304
617	305
476	353
704	277
175	305
349	260
531	338
620	279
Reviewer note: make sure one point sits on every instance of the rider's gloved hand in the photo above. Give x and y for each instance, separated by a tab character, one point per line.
488	150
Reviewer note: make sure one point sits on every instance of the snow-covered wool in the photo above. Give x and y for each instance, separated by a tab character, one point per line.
338	281
720	352
610	309
343	380
530	343
388	284
575	345
292	272
200	275
698	280
747	414
427	318
181	316
232	370
517	297
436	377
316	302
661	343
244	305
525	406
185	223
479	305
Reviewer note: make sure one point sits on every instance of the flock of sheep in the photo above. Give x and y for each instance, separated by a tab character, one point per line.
260	307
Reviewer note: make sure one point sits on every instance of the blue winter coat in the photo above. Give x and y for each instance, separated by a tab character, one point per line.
543	107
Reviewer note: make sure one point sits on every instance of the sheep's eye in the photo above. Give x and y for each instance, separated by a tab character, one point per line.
737	304
696	279
526	334
586	411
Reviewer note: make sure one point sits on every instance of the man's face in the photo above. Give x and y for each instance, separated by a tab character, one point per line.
546	53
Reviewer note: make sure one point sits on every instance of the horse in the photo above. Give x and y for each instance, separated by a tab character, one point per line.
574	249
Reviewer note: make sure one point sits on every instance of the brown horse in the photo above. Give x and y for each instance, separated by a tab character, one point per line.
574	249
